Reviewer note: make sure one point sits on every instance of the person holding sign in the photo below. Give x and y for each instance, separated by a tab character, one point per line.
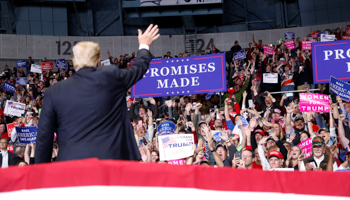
320	158
92	125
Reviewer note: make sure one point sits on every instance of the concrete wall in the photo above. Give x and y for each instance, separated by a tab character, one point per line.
19	47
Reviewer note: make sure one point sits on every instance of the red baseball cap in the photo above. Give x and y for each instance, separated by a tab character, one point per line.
260	132
275	153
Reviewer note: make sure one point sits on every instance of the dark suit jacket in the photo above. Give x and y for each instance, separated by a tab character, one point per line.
11	159
89	113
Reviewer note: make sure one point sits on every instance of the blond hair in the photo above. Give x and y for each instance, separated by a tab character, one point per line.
86	54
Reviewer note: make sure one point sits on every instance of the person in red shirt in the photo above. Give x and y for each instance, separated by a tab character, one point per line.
3	132
248	158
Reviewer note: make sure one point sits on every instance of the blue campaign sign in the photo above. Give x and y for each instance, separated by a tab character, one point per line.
217	136
21	63
239	55
289	35
61	64
21	81
166	127
27	134
244	121
340	88
183	76
9	87
208	96
331	59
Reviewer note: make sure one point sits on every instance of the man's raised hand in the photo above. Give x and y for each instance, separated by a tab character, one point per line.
149	36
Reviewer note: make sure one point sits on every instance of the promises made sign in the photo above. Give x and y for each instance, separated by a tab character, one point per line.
183	76
331	59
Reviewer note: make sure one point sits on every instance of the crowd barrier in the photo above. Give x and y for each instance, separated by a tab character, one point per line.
90	178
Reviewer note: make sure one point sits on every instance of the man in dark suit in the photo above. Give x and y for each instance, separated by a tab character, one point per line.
6	158
88	111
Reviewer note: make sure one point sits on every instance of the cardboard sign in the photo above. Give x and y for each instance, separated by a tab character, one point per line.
21	81
176	162
21	63
9	87
268	50
11	126
327	38
175	146
306	45
313	102
306	146
14	108
105	62
183	76
330	58
289	44
27	134
47	66
270	78
166	127
239	55
340	88
289	36
61	64
35	68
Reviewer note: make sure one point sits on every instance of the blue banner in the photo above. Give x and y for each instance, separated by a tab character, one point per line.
9	87
61	64
183	76
21	63
166	127
27	134
340	88
331	59
21	81
289	35
239	55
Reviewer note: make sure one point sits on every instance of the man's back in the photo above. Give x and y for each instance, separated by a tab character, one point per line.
89	110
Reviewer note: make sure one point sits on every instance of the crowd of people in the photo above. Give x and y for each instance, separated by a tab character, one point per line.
259	130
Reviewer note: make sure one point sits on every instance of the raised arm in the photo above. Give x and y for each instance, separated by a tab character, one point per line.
210	140
244	99
288	122
227	112
131	75
309	124
341	132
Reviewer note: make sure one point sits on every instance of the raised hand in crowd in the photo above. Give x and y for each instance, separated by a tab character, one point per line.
152	101
263	141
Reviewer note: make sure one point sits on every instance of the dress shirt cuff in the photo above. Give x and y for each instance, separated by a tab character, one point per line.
144	46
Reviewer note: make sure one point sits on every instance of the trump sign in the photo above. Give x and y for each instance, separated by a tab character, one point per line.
331	59
183	76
